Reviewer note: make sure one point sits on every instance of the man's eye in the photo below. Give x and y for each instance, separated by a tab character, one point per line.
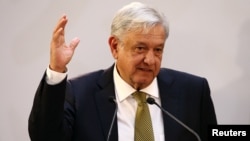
158	50
140	49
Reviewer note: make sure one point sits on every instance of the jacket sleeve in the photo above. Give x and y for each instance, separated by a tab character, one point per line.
208	116
48	121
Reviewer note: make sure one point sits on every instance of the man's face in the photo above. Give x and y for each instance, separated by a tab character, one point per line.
139	56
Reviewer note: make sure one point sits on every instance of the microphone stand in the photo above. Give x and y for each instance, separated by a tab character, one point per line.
113	100
151	101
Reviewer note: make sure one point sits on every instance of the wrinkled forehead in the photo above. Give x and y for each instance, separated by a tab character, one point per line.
157	31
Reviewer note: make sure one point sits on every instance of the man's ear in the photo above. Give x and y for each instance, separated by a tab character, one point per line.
113	44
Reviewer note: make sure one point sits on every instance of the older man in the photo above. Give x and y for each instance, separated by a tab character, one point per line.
79	109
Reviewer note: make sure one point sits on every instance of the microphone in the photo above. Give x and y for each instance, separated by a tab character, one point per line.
151	101
112	100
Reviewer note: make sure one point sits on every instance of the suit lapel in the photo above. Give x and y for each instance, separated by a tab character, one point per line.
169	101
106	108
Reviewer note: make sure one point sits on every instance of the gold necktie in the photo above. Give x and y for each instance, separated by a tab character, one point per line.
143	124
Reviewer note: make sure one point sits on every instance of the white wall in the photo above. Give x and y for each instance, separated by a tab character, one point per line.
209	38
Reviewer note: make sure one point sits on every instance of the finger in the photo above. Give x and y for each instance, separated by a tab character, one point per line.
74	42
61	24
58	36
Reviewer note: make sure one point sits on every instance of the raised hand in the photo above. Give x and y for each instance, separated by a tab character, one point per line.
60	52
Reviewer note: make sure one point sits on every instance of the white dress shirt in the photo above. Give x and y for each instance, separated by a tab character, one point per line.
126	105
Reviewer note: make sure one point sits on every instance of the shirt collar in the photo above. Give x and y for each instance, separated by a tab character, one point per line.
123	89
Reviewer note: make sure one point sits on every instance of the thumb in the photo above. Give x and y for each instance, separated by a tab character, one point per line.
74	42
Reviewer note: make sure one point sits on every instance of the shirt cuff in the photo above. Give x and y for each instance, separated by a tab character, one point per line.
53	77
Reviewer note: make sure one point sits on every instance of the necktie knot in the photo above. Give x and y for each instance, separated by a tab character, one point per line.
140	97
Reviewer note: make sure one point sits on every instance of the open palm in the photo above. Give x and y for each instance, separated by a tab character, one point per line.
60	52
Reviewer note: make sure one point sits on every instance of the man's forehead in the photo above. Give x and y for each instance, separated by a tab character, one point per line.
154	32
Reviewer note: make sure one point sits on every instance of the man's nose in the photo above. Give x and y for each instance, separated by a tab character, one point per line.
149	58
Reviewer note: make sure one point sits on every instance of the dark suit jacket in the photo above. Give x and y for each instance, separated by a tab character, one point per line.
79	109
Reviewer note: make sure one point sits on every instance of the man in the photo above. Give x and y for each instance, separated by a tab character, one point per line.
79	109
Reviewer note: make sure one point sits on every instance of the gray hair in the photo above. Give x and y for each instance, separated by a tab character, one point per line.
135	16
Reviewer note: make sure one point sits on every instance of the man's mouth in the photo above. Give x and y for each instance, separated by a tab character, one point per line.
145	69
